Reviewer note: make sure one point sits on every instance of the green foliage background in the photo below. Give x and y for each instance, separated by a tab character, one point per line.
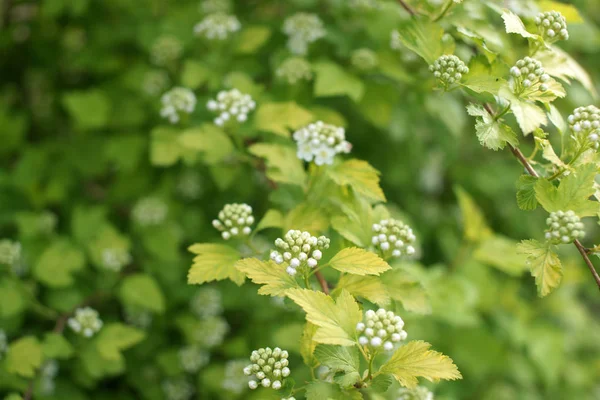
81	139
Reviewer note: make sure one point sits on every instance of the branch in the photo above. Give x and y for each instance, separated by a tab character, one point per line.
322	282
407	8
587	260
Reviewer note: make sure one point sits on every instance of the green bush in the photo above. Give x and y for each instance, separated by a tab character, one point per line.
302	199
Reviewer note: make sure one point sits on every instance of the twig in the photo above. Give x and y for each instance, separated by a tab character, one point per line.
523	161
407	8
322	282
587	260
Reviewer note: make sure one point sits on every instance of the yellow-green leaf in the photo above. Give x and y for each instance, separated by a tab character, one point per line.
280	118
367	287
214	262
359	262
544	263
24	357
116	337
252	38
407	291
142	291
58	263
501	252
414	360
282	163
210	141
333	80
336	320
474	223
308	345
513	24
306	217
55	346
271	219
360	176
275	280
424	38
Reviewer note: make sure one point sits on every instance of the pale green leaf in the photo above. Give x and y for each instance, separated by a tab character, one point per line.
513	24
282	163
58	263
306	217
381	383
336	320
526	198
12	298
89	109
560	64
406	290
280	118
209	140
528	115
501	252
252	38
271	219
549	154
474	223
24	357
142	291
480	78
308	345
360	176
115	338
367	287
333	80
194	74
354	260
544	264
275	280
491	133
214	262
55	346
328	116
478	40
568	11
414	360
338	358
424	38
165	150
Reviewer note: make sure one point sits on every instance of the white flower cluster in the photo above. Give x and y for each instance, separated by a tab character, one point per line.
552	26
189	185
155	82
86	321
48	373
393	238
192	358
115	259
418	393
3	343
585	122
300	249
527	73
231	104
211	332
150	211
303	29
166	50
235	381
294	70
234	220
268	368
448	69
177	101
217	26
321	142
10	252
138	317
177	389
207	302
215	6
364	59
381	328
564	227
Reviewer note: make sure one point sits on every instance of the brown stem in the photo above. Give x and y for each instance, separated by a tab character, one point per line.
523	161
322	282
407	7
587	260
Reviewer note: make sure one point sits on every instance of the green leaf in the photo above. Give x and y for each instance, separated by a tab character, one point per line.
252	38
55	346
347	380
513	24
58	263
115	338
214	262
338	358
568	11
491	133
280	118
501	252
480	42
414	360
306	217
282	163
12	300
544	263
424	38
526	199
165	150
360	176
275	280
474	223
528	115
90	109
333	80
406	290
480	78
381	383
549	154
194	74
367	287
24	357
560	64
573	193
210	141
142	291
308	345
359	262
271	219
336	319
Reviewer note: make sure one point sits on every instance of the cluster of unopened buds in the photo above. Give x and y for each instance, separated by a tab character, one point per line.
294	70
207	302
393	238
527	73
364	59
115	259
177	101
10	252
268	369
217	26
381	329
303	29
234	220
585	123
298	250
210	332
231	104
86	322
192	358
448	69
150	211
552	26
321	142
418	393
155	82
564	227
166	50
